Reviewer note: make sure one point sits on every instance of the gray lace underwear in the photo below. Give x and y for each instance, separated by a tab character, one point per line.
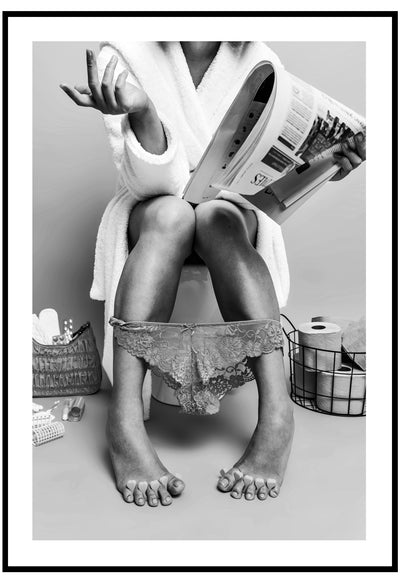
200	361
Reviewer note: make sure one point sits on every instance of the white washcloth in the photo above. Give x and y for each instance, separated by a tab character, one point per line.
189	116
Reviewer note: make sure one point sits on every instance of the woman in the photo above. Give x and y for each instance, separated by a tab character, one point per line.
162	102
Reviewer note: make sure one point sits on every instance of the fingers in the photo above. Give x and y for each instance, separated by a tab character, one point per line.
93	81
83	89
345	166
361	145
351	155
107	85
119	89
78	98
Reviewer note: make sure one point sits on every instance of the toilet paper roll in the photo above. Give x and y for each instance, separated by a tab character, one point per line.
317	336
304	380
342	322
336	389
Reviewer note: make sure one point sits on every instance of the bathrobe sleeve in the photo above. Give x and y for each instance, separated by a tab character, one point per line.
144	174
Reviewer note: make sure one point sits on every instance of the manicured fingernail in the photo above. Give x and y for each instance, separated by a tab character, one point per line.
359	137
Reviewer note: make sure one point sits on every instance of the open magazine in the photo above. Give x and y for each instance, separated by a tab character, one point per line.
275	143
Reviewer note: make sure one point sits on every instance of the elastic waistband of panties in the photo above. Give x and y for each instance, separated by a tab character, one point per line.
116	321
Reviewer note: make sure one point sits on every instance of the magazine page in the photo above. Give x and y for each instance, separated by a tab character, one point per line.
247	114
275	153
270	140
314	126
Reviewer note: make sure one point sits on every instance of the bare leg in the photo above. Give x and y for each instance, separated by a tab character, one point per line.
161	234
224	238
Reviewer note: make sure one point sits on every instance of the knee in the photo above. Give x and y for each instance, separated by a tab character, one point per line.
168	218
218	220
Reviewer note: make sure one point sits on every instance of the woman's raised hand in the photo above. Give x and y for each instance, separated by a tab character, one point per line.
108	98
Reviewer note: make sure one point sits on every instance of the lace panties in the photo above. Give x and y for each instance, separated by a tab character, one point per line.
200	361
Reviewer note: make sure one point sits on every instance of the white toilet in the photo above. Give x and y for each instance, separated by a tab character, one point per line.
195	303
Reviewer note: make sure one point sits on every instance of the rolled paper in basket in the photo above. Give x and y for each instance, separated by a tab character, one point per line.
338	391
354	340
316	336
342	322
304	380
47	433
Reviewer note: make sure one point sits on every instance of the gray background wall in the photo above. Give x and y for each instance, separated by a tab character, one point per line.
74	176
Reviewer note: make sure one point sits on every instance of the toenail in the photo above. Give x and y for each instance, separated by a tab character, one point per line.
262	495
224	482
168	499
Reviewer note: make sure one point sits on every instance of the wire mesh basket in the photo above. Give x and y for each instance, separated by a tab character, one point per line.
339	390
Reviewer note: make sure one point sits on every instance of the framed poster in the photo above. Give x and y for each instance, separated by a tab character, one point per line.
320	506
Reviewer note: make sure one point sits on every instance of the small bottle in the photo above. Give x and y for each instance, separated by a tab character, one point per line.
66	408
77	408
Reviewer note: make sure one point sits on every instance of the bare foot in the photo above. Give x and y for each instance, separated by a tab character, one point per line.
140	475
260	470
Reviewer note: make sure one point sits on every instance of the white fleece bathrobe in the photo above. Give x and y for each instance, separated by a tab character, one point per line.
189	116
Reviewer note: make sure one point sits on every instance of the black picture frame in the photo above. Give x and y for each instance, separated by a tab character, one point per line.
393	15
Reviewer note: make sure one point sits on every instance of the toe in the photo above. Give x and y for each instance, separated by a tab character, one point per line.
138	497
127	490
164	496
226	481
175	486
127	495
274	492
273	487
151	497
237	489
261	488
250	492
262	492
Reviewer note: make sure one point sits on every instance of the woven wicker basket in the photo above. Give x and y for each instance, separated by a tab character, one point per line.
64	370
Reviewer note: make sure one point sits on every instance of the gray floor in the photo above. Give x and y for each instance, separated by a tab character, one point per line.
323	496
